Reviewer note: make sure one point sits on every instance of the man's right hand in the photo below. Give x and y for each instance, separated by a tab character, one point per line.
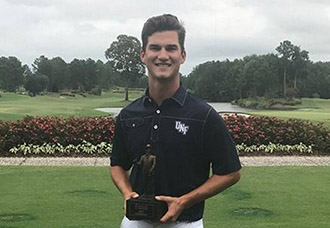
128	196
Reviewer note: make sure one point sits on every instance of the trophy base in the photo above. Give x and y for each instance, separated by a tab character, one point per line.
145	209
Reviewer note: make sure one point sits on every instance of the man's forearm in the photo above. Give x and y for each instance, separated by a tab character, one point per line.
120	178
214	185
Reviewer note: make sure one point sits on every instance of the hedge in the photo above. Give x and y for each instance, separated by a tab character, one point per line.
87	149
65	131
247	130
258	130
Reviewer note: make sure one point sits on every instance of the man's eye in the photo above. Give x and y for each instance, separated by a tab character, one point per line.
154	48
171	48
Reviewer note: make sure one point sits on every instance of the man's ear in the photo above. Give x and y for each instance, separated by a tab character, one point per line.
183	56
142	55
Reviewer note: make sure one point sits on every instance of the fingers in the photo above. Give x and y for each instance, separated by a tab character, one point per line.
166	199
169	217
133	195
173	209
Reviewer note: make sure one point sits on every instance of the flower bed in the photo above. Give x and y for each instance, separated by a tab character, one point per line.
103	149
85	149
262	130
83	136
53	130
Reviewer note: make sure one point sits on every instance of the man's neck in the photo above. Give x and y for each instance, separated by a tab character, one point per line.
161	90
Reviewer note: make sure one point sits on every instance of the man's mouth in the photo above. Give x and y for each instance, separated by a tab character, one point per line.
163	64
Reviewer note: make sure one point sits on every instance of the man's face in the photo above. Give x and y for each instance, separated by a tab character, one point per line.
163	55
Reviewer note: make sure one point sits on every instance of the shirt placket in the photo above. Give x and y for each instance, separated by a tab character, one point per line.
156	126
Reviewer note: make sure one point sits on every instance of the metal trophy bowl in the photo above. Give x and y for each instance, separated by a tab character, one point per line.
146	207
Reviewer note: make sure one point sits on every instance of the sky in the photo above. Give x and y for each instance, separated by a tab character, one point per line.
216	29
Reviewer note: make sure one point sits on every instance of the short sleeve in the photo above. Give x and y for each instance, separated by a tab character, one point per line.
120	155
219	146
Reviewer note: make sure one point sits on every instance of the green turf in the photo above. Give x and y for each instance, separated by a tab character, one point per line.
315	110
67	197
14	106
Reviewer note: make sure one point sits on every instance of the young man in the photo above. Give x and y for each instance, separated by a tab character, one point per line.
186	135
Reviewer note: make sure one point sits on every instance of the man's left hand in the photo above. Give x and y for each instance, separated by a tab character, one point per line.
175	207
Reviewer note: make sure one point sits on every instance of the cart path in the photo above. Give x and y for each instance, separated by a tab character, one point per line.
94	161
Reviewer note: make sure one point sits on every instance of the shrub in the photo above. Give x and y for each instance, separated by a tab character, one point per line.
265	103
104	149
277	149
257	130
316	95
247	130
96	91
65	131
49	149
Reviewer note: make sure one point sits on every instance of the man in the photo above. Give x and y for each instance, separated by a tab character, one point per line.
186	135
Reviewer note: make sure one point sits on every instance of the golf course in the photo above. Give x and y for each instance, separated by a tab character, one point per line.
14	106
85	197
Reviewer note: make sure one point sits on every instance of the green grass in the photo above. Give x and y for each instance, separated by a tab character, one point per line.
14	106
67	197
318	111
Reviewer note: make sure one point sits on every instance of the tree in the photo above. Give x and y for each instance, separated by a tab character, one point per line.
56	69
11	73
214	80
258	78
299	59
36	83
76	69
295	59
285	49
124	55
91	79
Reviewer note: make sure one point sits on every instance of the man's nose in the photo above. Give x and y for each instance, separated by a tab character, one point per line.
163	54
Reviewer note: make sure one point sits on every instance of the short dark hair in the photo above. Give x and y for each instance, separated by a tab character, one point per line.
165	22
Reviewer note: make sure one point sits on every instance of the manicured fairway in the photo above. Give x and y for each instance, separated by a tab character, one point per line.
72	197
315	110
14	106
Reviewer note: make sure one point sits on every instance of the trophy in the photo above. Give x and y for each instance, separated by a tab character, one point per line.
146	207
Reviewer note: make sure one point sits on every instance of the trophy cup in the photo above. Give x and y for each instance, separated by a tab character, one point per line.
146	207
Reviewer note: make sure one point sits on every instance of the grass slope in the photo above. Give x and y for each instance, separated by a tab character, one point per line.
14	106
70	197
315	110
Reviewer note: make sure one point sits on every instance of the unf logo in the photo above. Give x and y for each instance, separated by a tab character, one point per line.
182	128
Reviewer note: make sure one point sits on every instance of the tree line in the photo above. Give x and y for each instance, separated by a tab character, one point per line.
123	69
287	74
55	75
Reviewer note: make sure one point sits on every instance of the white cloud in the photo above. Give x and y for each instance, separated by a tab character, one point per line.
215	29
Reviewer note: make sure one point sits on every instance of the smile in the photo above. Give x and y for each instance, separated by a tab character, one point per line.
163	64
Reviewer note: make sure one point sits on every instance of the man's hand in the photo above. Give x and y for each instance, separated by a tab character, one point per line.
128	196
175	207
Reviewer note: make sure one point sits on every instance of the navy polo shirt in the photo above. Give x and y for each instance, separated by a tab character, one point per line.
187	136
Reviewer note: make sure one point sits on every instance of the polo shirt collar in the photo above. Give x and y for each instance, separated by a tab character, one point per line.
179	96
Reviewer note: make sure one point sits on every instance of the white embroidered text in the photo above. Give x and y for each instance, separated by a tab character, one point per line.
182	128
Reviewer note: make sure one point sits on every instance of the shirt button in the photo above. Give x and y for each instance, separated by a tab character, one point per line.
157	111
155	126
